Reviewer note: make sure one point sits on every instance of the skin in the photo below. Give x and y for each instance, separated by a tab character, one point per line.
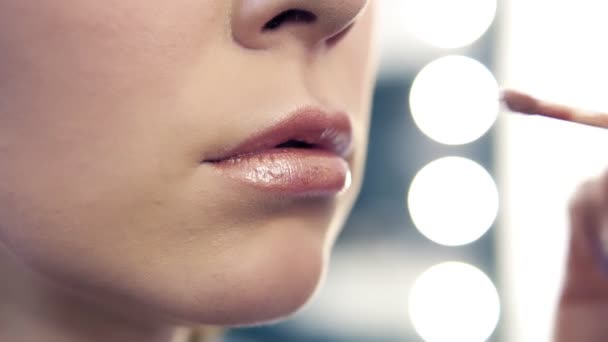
112	229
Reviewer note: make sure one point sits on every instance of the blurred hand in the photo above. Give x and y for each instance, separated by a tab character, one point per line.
583	306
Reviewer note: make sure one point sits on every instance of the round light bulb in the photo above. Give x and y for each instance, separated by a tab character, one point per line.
454	302
449	23
454	100
453	201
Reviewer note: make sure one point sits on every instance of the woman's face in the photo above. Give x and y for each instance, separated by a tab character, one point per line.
122	125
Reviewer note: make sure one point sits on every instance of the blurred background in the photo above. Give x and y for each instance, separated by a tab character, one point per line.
460	230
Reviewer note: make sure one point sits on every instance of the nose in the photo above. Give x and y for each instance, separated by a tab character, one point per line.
262	24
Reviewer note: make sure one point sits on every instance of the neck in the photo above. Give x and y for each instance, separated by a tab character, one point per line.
34	309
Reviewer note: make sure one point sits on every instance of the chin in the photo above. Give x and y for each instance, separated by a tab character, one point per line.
268	279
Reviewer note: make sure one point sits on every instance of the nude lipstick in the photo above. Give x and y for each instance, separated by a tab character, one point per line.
305	154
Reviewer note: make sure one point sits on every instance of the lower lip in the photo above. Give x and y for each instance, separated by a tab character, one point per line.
307	172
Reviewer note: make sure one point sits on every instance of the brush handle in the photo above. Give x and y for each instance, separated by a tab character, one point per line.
523	103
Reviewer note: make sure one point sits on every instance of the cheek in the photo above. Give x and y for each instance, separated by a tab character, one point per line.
81	84
98	53
355	63
87	166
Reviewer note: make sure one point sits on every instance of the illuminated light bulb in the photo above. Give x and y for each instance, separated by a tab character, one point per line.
454	100
454	302
453	201
449	23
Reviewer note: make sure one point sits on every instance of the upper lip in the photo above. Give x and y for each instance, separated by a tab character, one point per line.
306	128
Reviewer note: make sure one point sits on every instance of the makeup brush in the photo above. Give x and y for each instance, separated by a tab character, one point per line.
523	103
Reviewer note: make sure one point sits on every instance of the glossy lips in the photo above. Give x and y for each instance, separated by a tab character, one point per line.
303	155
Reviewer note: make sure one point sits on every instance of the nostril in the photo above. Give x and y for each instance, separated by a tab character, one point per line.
311	24
290	16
